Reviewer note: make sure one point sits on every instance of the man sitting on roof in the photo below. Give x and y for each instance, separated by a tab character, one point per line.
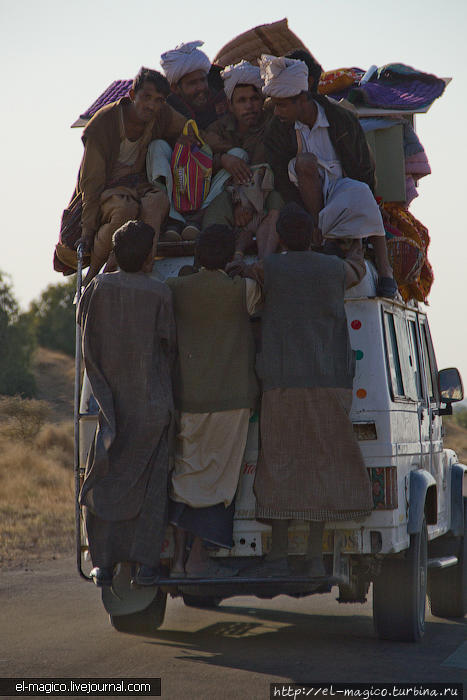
112	179
236	140
188	71
321	160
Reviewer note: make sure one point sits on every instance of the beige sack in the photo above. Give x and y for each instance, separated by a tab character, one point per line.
275	39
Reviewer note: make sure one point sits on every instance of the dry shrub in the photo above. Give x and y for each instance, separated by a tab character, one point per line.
22	419
31	480
57	438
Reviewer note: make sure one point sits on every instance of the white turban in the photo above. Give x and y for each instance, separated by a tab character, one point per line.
243	73
283	77
183	59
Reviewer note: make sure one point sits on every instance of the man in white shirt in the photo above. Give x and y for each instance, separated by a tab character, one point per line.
329	170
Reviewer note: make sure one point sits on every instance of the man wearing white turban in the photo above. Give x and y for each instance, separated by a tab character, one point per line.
321	160
187	69
236	141
283	77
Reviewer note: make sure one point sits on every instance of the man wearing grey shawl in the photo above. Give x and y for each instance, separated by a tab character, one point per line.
129	347
249	201
310	466
321	160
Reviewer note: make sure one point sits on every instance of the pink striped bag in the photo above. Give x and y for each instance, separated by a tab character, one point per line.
191	170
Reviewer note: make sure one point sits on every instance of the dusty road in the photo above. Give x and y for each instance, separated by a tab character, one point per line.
54	624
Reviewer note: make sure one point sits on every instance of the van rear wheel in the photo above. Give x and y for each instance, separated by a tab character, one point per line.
399	593
447	588
143	622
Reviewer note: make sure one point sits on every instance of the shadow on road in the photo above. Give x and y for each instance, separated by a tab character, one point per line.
301	647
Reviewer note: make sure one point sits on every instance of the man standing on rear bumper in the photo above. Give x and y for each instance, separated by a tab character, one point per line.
310	466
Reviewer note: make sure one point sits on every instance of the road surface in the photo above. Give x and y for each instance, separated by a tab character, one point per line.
54	624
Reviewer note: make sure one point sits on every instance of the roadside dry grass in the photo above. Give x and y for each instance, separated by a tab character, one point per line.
36	468
455	438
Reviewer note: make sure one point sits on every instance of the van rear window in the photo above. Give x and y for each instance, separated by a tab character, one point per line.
395	373
415	358
428	362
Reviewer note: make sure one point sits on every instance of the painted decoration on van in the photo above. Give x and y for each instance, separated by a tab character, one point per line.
384	487
298	540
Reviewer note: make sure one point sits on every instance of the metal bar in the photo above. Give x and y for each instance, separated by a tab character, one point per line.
442	562
244	580
79	276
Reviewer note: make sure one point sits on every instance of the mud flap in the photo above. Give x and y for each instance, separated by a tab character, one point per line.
124	599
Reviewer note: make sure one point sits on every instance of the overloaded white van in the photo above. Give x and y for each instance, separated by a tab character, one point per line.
413	543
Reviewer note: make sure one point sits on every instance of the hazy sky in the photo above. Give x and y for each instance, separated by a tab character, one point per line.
57	56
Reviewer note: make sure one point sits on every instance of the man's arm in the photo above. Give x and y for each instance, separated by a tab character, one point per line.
254	295
83	305
92	178
254	272
219	143
354	264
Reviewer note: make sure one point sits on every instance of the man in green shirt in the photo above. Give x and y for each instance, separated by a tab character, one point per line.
215	390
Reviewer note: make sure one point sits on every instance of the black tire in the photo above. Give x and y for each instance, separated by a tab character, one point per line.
447	588
198	601
144	622
399	593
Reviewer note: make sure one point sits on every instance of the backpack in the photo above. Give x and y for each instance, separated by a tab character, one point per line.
191	167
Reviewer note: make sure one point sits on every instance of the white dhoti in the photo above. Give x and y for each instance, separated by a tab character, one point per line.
208	456
350	209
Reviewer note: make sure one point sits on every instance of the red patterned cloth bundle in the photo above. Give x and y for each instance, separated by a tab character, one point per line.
407	241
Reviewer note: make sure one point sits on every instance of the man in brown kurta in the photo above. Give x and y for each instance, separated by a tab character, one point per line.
310	466
249	201
128	347
112	177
